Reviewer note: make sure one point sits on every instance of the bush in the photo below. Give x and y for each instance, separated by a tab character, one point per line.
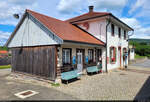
142	49
148	56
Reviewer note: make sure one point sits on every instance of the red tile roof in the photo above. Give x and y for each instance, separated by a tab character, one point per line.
65	30
91	15
3	52
87	16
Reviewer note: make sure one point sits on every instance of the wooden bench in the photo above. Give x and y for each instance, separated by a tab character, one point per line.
93	69
69	75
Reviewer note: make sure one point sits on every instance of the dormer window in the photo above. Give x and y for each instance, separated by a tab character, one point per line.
112	29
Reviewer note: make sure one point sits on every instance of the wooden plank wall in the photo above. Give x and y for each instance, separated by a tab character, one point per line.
40	61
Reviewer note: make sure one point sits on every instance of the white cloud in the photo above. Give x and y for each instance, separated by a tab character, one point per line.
143	8
69	6
139	30
81	6
9	7
108	4
139	3
3	37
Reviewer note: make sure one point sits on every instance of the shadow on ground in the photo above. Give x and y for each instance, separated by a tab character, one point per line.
144	93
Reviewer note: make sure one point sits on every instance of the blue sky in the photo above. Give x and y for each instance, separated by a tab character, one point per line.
135	13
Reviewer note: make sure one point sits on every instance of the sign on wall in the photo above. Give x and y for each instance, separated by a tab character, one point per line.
86	59
74	60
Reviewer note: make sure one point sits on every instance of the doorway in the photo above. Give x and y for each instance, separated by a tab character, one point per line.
98	54
80	60
119	55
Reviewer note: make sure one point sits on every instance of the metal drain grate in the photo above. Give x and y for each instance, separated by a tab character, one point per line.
122	74
25	94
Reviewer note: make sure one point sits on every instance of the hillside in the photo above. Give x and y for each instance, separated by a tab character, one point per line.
140	40
3	48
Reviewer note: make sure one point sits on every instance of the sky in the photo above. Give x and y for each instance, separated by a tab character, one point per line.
135	13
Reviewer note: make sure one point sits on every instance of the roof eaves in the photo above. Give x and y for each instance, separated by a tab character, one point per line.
89	18
121	21
82	42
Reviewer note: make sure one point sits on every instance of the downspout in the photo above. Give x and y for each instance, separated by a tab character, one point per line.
106	42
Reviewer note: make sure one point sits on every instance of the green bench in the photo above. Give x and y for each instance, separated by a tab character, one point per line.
93	69
69	75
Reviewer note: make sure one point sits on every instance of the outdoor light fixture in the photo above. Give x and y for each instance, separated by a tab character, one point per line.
16	16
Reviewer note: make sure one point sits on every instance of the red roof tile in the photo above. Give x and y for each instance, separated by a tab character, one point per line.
65	30
87	16
3	52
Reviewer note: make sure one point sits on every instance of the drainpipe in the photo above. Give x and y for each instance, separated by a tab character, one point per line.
106	43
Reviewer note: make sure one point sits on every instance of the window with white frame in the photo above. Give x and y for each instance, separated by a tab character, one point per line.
66	55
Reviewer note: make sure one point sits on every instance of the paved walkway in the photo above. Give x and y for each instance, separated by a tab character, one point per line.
5	72
145	64
9	87
130	84
116	85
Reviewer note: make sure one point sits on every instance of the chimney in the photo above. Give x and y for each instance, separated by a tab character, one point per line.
91	8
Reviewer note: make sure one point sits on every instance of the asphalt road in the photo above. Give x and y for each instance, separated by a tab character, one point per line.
145	64
8	88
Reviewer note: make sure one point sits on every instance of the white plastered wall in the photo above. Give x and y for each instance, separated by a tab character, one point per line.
116	42
96	28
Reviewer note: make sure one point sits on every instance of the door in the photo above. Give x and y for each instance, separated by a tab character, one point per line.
119	55
79	62
98	54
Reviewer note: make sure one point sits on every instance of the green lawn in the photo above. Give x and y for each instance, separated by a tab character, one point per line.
138	57
5	66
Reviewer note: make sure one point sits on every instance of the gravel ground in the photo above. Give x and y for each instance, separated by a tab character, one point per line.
115	85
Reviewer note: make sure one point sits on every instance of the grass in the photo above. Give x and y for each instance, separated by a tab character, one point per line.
138	56
5	66
55	84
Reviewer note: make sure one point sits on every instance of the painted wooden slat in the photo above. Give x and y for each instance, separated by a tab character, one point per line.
38	61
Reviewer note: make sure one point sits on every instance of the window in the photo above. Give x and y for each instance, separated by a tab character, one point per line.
119	32
124	34
112	29
66	56
112	54
90	55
